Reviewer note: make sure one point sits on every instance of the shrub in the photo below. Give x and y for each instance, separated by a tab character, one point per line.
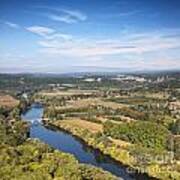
175	127
147	134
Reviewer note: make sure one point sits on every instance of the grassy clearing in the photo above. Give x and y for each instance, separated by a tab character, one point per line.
8	101
120	143
155	95
92	127
95	102
67	92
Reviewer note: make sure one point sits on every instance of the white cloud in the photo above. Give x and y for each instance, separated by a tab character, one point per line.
59	36
158	64
49	34
134	44
67	16
40	30
12	25
139	51
62	18
75	14
145	50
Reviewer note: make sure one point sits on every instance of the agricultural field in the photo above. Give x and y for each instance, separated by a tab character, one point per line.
139	126
8	101
126	122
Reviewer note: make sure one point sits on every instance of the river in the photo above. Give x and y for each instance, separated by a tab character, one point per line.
65	142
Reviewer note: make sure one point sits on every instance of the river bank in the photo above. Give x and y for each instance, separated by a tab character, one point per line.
121	155
65	142
133	171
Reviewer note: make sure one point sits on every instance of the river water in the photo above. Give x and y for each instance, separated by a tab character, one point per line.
67	143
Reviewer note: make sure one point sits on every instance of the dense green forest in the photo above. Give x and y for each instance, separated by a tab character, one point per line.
144	133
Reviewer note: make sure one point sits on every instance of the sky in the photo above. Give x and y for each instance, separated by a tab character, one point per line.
57	36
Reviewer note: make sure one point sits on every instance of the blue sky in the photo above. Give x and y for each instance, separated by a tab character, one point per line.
82	35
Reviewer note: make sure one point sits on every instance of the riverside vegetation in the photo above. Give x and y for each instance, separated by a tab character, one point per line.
136	123
24	158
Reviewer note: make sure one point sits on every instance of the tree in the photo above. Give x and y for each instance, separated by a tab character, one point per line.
175	127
